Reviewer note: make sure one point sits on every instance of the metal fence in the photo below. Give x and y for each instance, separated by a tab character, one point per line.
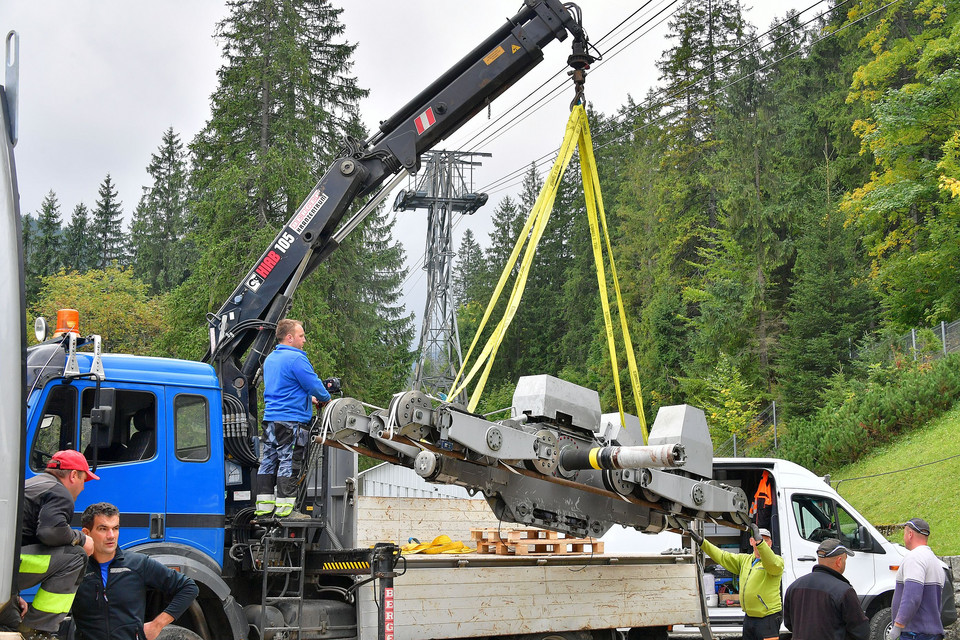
919	342
925	343
763	438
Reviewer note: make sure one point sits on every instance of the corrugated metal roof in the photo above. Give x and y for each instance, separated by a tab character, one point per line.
392	481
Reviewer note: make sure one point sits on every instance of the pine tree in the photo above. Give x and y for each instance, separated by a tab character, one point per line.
28	226
285	100
469	273
828	312
78	241
813	157
46	256
507	223
159	222
108	240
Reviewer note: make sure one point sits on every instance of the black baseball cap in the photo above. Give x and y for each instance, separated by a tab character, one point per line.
919	525
831	548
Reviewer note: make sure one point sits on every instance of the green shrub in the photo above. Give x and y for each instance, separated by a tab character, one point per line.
859	416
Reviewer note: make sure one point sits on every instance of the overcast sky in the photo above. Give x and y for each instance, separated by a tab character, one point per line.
100	81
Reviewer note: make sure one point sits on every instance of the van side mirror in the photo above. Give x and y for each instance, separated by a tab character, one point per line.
865	539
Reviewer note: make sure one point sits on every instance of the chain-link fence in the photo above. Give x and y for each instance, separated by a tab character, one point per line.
761	438
927	343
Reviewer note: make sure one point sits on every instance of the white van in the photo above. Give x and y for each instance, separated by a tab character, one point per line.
806	510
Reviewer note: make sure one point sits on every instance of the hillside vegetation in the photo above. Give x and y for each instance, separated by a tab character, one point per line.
919	479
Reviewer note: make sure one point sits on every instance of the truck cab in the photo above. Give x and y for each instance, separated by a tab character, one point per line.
158	447
805	511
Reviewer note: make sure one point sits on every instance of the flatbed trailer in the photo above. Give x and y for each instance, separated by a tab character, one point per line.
469	595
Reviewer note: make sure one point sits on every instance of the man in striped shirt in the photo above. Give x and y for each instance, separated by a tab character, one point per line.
916	598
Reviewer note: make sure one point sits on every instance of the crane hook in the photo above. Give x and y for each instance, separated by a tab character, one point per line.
580	61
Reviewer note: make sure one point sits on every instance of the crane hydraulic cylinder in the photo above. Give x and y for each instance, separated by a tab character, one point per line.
664	456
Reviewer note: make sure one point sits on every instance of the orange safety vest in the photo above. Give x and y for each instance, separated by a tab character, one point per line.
764	492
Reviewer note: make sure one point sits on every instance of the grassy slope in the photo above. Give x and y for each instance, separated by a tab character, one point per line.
930	492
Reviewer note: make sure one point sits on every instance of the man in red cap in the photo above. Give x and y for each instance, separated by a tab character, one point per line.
51	553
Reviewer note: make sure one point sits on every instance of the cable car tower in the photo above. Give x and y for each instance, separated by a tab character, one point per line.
445	187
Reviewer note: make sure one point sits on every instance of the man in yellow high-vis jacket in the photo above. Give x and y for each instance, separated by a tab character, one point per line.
760	573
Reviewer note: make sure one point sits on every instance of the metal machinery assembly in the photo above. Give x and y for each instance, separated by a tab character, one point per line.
556	440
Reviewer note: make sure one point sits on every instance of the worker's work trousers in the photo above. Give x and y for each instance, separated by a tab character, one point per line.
58	571
762	628
282	448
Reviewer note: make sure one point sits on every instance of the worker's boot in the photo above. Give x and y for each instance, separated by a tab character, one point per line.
36	634
286	510
265	504
287	501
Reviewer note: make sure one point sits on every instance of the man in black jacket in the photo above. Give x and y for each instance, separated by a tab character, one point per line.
51	553
111	601
822	604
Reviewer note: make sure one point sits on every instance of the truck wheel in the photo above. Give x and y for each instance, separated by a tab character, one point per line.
880	624
647	633
173	632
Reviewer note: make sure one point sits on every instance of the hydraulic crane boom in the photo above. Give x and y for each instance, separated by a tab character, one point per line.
241	332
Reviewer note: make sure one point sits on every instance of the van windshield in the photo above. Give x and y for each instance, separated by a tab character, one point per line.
818	518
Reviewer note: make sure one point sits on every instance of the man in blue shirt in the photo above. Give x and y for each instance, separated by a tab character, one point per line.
289	386
111	602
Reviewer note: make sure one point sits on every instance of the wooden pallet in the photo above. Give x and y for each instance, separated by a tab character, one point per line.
526	542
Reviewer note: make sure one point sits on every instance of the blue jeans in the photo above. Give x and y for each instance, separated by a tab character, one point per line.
280	442
916	635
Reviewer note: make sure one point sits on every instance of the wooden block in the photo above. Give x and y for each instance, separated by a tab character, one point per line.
492	547
486	534
531	534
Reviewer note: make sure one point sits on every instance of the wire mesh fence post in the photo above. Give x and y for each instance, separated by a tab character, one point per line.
776	445
943	336
913	342
734	445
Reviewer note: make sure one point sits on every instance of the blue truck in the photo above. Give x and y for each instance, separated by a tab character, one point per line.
175	442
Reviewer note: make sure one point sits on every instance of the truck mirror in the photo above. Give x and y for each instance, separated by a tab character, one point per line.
101	419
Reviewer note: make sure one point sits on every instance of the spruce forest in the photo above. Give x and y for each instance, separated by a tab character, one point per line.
785	199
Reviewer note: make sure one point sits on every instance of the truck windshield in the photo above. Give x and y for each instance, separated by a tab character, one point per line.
56	428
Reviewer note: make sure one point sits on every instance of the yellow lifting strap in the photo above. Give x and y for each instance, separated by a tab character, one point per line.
577	134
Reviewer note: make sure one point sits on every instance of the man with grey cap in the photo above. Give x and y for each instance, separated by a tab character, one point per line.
823	604
916	598
760	573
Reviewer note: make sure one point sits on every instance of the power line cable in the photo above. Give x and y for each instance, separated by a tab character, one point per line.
554	93
755	72
481	130
498	184
887	473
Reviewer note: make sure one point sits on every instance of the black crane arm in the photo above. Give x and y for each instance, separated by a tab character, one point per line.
241	332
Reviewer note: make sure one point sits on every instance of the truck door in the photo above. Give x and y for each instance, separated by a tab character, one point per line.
813	519
130	464
131	474
195	480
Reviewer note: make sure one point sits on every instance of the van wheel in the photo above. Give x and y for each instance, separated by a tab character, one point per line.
880	624
173	632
